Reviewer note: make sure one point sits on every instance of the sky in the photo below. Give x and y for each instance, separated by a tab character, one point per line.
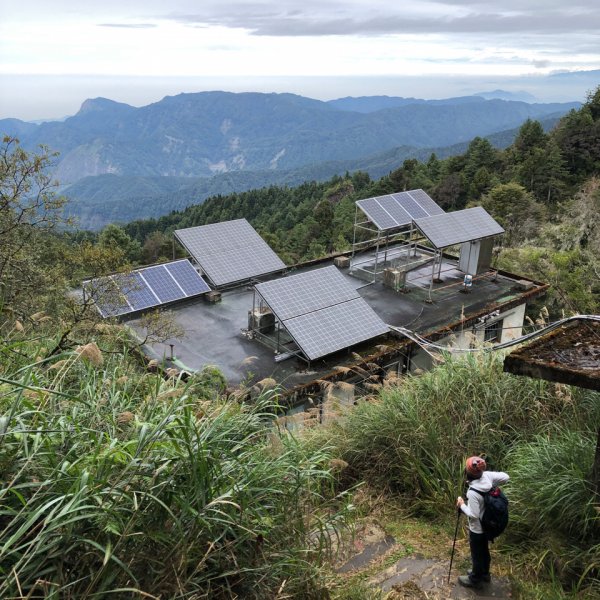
56	53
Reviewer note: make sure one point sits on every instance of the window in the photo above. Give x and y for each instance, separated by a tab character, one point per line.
493	332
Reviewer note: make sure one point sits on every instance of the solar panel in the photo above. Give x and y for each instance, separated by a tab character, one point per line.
334	328
107	297
187	278
145	288
135	289
457	227
305	292
426	202
479	220
230	251
159	279
377	214
398	210
410	206
321	310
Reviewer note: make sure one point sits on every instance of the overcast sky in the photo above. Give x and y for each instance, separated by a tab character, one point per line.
56	53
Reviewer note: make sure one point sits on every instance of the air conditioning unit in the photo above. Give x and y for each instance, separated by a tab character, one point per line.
261	320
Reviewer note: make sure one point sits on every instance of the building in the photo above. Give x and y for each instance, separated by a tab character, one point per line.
414	272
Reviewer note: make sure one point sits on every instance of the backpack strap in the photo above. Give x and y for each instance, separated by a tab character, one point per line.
484	494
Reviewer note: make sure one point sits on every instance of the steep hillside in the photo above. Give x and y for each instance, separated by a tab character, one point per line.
98	200
203	134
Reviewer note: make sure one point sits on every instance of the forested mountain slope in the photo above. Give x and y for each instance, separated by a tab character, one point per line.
213	132
98	200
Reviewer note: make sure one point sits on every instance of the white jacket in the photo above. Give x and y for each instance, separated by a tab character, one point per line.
474	505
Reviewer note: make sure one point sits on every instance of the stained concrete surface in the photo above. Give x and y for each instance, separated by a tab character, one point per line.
431	576
214	333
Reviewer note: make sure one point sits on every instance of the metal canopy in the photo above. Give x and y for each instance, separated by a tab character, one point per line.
321	311
125	293
457	227
398	210
229	252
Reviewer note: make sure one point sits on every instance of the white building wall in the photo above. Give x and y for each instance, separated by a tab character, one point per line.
512	328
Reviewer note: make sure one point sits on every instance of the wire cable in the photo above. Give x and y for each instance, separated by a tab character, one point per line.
426	344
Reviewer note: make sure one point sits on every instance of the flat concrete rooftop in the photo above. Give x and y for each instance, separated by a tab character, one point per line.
214	333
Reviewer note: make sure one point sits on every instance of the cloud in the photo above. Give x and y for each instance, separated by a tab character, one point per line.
541	64
128	25
336	18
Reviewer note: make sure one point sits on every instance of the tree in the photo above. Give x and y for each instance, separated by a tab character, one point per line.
157	245
531	135
578	136
516	210
113	236
30	210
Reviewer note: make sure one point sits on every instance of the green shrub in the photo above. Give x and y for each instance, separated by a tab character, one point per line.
115	482
414	438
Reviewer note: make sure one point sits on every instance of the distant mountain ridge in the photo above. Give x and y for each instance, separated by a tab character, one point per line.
209	133
102	199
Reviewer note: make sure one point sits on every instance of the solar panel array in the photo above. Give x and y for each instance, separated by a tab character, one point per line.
458	227
230	251
321	311
124	293
397	210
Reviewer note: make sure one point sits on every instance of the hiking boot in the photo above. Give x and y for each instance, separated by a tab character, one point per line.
485	578
466	581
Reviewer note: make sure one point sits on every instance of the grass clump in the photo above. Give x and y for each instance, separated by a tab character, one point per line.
414	437
411	440
118	482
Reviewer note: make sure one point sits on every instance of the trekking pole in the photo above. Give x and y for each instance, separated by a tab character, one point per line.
454	543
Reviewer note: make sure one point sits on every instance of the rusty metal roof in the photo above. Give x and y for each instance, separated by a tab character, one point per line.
569	354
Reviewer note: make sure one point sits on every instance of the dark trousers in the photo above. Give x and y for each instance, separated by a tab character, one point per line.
480	556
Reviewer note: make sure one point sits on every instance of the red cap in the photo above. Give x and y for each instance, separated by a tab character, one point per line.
475	466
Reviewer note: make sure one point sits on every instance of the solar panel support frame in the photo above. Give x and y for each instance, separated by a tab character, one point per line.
268	341
357	246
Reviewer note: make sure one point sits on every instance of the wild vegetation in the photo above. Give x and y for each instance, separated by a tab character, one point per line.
117	480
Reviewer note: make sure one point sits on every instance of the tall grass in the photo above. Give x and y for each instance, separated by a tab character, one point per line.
414	437
119	483
554	507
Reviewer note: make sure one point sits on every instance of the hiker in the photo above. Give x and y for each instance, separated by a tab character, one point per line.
480	481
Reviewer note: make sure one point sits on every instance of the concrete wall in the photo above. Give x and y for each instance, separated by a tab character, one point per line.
472	337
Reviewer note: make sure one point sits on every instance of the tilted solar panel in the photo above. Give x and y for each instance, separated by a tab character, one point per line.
229	252
411	206
398	210
458	227
426	202
299	294
334	328
136	290
159	279
187	278
124	293
377	214
321	310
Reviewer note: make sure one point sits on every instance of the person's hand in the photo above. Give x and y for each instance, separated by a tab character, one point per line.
459	502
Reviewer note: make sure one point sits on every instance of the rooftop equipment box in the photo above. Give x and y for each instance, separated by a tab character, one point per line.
394	278
262	321
476	256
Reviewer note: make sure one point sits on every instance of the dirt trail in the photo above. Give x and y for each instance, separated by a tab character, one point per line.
413	577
